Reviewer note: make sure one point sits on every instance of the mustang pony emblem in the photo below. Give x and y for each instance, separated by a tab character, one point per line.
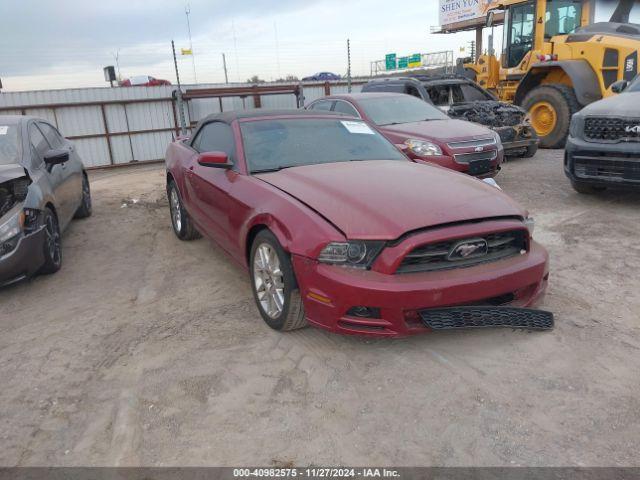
468	248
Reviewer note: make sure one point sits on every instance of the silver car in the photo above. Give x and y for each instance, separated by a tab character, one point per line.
43	186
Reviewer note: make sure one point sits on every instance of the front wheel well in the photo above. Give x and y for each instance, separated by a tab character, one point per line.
50	206
253	233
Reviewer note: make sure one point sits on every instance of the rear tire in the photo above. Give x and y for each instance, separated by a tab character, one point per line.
52	245
274	284
551	107
180	219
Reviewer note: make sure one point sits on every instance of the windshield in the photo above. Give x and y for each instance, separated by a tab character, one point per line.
271	145
634	86
399	109
9	144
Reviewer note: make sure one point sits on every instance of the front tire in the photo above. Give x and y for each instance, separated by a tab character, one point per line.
530	151
52	245
180	219
551	107
86	207
274	285
585	188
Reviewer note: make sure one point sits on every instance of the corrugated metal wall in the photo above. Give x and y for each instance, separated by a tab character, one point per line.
115	126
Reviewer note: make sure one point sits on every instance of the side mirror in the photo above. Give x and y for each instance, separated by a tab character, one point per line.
619	86
402	147
56	156
490	18
214	160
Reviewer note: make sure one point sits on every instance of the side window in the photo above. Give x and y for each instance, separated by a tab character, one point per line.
411	90
324	105
215	137
38	141
346	108
52	135
439	95
469	93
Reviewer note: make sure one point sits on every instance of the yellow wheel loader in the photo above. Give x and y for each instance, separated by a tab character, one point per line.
555	60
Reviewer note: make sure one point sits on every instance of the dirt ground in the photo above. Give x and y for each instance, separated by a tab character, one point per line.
144	350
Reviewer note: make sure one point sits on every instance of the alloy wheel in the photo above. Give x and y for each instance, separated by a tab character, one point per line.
53	240
176	213
269	280
86	194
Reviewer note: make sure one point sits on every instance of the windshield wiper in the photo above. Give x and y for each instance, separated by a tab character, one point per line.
392	123
273	169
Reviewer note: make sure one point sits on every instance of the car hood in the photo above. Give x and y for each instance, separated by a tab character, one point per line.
385	199
440	130
623	105
11	172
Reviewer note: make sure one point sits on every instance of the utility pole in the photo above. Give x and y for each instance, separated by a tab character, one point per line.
472	47
183	122
224	65
187	11
348	65
116	56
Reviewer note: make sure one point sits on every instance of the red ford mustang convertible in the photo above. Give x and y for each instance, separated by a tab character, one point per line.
339	229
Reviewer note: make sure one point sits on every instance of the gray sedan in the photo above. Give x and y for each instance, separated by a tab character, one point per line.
43	186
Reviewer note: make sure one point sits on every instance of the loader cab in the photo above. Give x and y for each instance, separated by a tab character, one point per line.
561	17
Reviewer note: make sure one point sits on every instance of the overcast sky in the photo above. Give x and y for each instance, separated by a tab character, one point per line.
66	43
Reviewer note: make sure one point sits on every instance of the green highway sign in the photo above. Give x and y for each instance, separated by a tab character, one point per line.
393	62
390	61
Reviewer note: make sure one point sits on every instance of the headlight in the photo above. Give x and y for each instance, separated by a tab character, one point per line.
423	148
12	224
530	223
358	254
577	126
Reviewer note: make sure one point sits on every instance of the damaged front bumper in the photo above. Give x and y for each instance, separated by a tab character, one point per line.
22	254
517	138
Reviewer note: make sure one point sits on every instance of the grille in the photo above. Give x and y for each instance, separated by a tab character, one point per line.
607	168
611	129
483	142
483	317
470	157
437	256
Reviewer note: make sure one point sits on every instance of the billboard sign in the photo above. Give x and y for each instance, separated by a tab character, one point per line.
456	11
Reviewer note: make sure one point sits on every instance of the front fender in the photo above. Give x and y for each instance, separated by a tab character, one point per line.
584	79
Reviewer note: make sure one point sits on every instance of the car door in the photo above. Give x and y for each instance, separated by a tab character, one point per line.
55	175
71	170
208	187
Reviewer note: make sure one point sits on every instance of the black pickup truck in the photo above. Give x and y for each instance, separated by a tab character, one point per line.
463	99
603	148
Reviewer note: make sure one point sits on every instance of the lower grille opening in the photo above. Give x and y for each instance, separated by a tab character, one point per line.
454	318
618	168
